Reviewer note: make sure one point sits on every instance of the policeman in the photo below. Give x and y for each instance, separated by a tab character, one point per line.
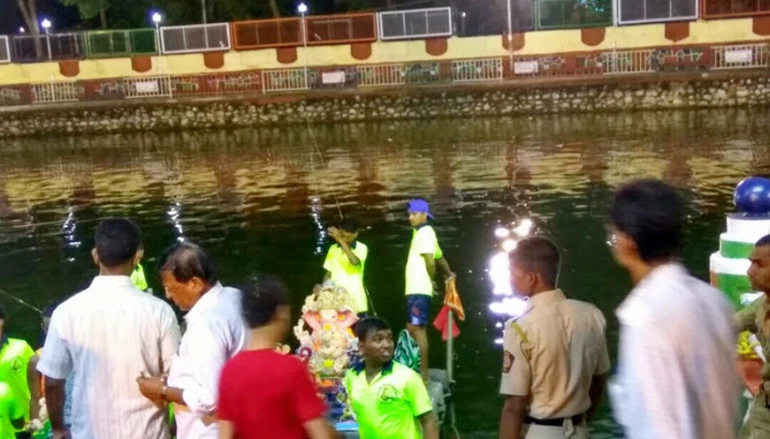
755	318
555	359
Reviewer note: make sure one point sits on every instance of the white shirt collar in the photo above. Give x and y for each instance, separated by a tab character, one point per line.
636	306
102	281
206	302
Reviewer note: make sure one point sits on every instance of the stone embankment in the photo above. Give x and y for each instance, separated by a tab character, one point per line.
388	105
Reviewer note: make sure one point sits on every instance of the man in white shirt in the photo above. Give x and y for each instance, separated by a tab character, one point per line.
107	335
677	377
215	333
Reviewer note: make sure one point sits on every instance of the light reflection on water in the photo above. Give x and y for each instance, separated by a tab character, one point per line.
260	202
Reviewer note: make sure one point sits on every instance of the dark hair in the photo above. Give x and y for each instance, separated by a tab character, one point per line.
260	301
650	213
185	260
349	225
368	325
763	241
117	240
538	255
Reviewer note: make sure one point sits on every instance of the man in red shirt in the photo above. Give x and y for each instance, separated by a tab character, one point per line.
263	393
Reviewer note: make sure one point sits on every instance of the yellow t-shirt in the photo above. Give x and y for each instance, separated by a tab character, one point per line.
14	359
424	241
11	409
388	407
347	275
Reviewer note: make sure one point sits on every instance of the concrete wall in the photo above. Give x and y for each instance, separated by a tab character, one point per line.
414	104
530	43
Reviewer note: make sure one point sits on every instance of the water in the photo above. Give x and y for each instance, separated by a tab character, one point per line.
258	200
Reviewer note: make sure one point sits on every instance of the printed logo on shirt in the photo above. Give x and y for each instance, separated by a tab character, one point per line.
507	361
16	365
387	393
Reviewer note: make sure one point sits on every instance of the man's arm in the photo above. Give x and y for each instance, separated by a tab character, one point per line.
33	378
443	265
512	416
319	429
349	252
226	430
596	392
746	319
429	425
170	337
54	402
430	265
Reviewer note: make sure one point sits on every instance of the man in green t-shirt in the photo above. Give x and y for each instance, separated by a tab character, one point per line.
11	412
424	256
389	399
15	357
345	262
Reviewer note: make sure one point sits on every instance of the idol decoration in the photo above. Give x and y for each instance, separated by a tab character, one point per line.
729	266
327	344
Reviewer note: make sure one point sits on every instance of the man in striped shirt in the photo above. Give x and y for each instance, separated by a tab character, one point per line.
108	335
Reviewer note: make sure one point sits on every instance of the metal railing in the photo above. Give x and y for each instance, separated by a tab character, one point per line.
53	47
415	23
195	38
104	44
286	80
734	8
54	92
490	69
5	50
381	75
655	11
568	14
202	85
279	32
340	29
148	87
620	62
747	56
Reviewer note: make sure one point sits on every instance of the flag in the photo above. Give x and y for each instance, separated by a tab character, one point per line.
451	303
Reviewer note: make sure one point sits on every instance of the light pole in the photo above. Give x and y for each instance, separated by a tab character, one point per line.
302	9
157	18
203	9
510	36
47	26
463	22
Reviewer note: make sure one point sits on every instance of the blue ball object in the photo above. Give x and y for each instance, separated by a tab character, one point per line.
752	196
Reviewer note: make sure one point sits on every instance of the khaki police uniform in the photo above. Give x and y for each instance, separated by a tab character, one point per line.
551	354
756	318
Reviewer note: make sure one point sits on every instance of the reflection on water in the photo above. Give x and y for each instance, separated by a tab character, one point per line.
260	200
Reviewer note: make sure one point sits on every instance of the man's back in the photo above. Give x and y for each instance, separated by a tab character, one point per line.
107	335
677	376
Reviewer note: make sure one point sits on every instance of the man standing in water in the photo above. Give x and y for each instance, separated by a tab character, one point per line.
215	333
109	333
677	375
424	251
555	359
754	318
389	400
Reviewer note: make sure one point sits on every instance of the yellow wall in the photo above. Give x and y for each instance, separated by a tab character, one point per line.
544	42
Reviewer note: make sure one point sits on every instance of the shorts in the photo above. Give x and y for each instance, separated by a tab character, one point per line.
417	309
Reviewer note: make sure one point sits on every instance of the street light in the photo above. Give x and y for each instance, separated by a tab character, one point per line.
463	15
46	23
22	30
510	36
157	18
302	9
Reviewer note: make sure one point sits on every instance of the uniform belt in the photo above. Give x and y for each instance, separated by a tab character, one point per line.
555	422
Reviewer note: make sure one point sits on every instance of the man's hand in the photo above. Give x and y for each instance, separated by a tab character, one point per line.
61	434
334	233
152	387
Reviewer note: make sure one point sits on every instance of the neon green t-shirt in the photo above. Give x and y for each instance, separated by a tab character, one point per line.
11	409
14	359
424	241
347	275
389	406
138	278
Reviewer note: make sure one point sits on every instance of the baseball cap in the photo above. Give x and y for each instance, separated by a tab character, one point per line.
419	205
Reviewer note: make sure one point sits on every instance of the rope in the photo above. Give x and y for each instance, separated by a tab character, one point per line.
11	296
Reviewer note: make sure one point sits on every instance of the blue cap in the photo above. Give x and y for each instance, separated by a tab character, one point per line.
419	205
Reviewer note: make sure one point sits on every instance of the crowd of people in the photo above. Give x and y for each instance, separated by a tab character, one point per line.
117	357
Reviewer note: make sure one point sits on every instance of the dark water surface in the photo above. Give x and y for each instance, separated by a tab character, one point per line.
258	200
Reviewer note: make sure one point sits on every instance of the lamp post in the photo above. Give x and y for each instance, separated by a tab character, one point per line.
463	15
157	18
46	23
510	36
302	9
203	9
